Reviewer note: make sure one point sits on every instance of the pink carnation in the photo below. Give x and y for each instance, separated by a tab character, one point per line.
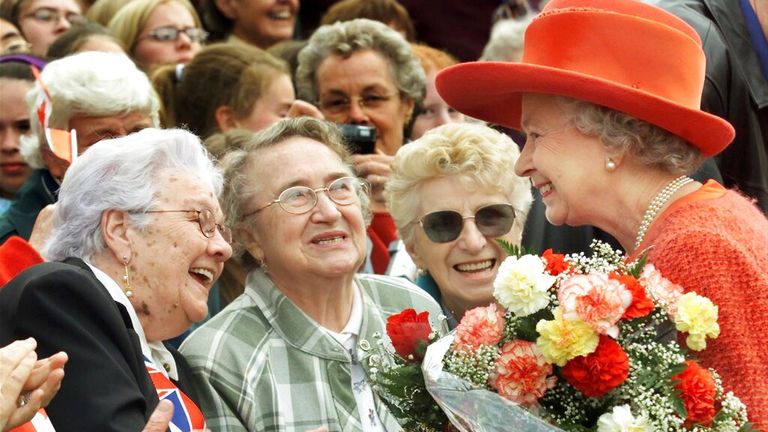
480	326
596	300
521	374
661	289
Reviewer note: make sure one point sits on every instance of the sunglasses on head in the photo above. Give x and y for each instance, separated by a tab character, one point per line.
446	225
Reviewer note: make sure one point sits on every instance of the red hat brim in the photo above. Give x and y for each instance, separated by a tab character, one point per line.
492	91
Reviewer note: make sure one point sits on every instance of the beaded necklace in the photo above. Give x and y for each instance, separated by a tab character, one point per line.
656	205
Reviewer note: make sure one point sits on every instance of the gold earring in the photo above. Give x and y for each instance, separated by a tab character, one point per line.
127	279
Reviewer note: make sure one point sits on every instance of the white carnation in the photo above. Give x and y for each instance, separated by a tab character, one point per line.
622	420
522	285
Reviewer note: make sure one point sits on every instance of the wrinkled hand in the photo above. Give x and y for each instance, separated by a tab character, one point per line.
301	108
43	227
23	376
375	169
161	418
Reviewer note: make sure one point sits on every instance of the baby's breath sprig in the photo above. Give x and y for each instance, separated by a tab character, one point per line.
473	366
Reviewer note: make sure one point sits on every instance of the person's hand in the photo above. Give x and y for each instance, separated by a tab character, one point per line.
301	108
320	429
43	226
375	169
26	384
161	418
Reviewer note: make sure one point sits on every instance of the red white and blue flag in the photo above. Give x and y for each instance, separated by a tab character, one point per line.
39	423
186	415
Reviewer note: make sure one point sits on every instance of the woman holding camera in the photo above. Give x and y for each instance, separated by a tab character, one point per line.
362	72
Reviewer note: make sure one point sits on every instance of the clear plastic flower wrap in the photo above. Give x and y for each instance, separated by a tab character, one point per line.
471	409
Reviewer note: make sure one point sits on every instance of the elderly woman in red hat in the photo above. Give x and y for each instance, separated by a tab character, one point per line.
608	96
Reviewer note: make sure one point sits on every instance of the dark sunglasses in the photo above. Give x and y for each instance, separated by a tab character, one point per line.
446	225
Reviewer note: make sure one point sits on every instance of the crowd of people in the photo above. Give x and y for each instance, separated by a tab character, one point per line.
209	208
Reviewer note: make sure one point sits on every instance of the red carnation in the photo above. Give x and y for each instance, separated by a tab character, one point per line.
556	263
409	333
697	389
599	372
641	304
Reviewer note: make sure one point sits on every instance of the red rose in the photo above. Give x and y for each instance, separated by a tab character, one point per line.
556	263
641	304
599	372
409	333
697	389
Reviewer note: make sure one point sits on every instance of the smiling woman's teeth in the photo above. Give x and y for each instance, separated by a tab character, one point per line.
282	14
207	274
482	265
330	241
545	189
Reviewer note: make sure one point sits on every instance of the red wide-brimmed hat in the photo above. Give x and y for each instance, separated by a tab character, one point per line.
622	54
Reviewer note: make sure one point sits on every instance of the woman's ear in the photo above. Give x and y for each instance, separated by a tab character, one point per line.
251	244
227	8
410	105
115	232
225	118
413	251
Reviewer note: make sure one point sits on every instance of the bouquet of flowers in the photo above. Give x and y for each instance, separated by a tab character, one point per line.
578	343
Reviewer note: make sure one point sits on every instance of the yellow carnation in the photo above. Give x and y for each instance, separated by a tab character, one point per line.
561	340
697	316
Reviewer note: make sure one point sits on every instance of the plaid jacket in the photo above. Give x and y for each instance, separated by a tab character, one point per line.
261	364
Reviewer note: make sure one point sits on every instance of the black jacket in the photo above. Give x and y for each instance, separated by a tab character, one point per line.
106	386
38	191
735	89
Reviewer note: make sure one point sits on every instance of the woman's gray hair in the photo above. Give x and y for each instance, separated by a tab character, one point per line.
121	174
348	37
90	84
506	41
240	187
622	133
476	154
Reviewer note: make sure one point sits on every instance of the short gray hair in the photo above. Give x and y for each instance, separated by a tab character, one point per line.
506	41
622	133
121	174
93	84
345	38
473	152
239	188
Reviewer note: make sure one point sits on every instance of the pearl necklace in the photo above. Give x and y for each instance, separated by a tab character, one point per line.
657	203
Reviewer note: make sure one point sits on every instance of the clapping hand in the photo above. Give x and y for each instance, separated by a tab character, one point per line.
26	384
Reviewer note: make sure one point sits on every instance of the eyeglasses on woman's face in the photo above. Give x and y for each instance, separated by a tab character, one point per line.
301	199
206	221
49	15
171	33
338	103
446	225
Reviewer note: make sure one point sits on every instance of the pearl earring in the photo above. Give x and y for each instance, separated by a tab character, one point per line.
610	165
127	279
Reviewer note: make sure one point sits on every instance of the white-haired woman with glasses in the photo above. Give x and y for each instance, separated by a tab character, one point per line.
159	32
289	353
138	241
99	95
452	193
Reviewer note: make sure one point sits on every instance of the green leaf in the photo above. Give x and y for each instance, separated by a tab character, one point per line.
637	267
679	407
748	427
513	249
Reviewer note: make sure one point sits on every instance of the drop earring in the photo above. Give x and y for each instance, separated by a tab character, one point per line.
610	165
127	279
